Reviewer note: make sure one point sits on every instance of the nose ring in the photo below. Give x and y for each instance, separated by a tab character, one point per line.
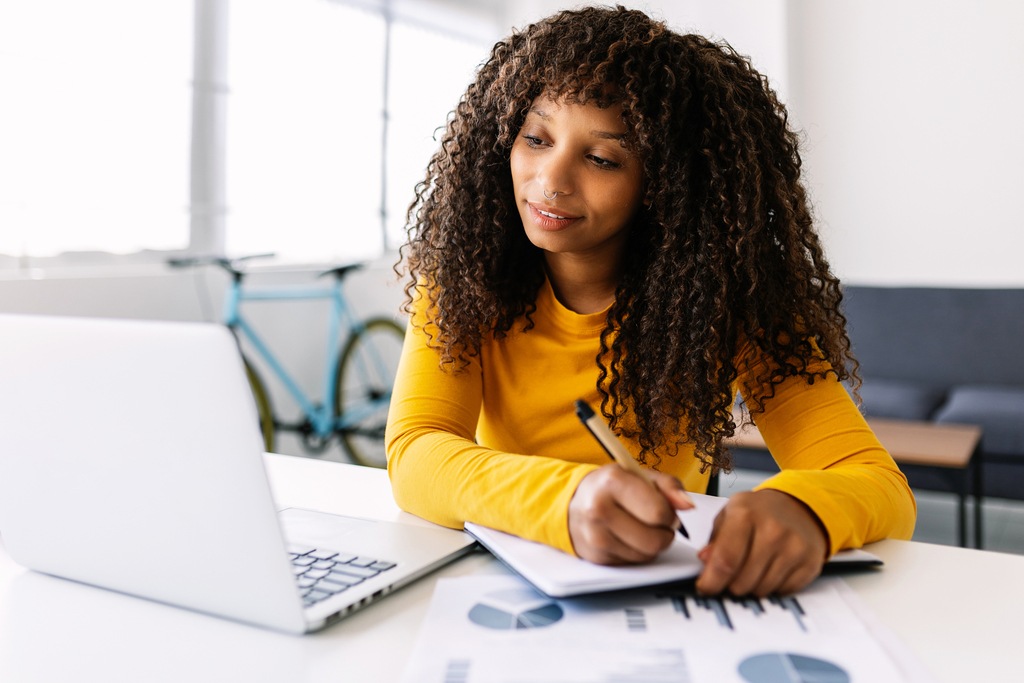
549	196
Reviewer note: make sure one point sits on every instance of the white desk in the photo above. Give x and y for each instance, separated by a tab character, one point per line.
959	610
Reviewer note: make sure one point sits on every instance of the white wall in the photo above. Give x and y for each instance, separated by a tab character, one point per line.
756	28
912	111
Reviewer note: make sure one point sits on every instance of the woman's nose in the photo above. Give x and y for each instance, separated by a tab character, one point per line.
556	174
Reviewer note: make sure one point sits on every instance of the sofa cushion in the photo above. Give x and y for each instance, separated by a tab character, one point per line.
901	399
998	410
944	335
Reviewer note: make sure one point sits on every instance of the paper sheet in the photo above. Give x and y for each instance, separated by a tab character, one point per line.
497	629
560	575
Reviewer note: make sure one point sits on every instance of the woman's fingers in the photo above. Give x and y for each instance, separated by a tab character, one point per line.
763	542
616	517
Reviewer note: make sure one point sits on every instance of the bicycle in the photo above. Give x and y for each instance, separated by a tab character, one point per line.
357	380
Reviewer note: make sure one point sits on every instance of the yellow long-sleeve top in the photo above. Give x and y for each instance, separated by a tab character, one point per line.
499	443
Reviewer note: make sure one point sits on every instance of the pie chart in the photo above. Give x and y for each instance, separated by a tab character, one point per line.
786	667
513	609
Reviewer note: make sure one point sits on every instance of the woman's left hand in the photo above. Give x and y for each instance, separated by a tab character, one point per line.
763	542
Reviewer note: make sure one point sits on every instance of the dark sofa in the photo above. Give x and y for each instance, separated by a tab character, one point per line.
953	355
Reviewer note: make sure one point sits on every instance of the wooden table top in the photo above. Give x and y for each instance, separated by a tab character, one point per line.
908	441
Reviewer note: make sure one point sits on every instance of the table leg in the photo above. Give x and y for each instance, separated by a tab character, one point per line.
961	518
977	485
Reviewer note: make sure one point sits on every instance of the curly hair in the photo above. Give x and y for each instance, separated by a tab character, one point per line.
723	251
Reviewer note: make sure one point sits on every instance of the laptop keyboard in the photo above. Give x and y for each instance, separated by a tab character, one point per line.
322	573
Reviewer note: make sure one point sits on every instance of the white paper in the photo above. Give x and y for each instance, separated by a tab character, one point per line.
498	629
560	575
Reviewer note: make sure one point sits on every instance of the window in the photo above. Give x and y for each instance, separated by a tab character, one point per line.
310	175
304	130
94	129
419	107
301	153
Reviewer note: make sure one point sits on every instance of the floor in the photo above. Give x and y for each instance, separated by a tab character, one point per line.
1002	520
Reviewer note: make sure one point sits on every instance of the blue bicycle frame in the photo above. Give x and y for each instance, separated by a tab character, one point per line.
320	416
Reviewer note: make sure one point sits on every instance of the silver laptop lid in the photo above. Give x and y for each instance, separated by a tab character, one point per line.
130	458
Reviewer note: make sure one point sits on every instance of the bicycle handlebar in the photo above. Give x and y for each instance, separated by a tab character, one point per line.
231	266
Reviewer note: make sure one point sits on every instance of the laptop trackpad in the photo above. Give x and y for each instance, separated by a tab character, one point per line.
323	529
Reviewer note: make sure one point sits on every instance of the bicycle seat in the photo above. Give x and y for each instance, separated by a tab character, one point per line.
341	271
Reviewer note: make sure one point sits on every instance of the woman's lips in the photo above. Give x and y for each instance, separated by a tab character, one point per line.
549	218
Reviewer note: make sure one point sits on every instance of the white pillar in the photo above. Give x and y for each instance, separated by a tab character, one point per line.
207	200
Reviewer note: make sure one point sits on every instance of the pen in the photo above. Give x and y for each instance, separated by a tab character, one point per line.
612	446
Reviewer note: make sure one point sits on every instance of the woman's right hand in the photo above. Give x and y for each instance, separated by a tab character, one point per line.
617	517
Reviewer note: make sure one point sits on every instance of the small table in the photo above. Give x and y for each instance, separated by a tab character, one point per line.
949	447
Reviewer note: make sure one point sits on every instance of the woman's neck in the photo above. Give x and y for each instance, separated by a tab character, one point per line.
580	286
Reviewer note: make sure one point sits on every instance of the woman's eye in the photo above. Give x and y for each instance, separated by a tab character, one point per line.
601	162
533	140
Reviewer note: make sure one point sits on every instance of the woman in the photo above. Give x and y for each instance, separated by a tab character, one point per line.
615	213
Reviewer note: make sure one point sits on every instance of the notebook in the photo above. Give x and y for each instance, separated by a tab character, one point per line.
559	575
131	459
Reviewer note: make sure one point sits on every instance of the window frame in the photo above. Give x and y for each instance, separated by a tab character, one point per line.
479	21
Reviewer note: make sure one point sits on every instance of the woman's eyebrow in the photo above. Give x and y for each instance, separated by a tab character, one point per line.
603	134
608	135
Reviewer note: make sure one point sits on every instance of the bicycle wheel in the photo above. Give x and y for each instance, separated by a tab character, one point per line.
362	389
262	398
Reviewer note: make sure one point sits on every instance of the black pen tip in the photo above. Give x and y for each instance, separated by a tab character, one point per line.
584	411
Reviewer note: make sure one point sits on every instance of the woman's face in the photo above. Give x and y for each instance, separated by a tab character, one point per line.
577	152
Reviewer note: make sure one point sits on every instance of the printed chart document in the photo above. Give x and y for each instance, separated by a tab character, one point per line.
498	629
559	575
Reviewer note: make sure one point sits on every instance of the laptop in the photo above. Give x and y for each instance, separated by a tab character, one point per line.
131	459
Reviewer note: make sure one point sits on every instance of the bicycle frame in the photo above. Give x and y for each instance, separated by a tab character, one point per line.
320	416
